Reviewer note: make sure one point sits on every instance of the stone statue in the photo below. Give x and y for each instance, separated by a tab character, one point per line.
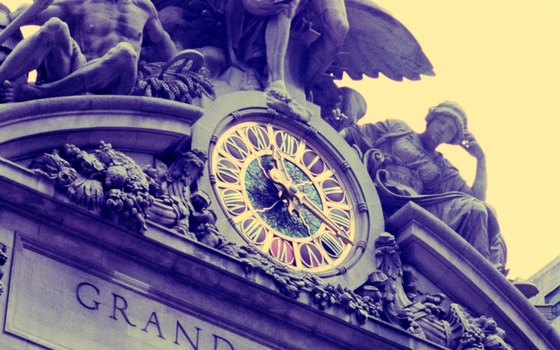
11	39
278	16
82	46
406	167
356	37
341	107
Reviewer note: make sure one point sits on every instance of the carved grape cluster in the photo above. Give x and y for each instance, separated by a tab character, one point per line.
472	338
130	208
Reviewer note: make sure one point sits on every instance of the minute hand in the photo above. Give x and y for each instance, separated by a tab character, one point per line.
310	205
298	198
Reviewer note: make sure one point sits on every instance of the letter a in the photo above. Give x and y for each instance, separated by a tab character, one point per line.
153	320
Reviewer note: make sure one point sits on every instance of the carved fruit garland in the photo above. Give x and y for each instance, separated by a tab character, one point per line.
105	181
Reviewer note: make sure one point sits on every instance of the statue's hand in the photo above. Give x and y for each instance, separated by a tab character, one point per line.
471	145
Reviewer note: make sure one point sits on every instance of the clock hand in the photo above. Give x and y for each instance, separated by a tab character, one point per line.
268	208
262	167
297	199
279	160
312	207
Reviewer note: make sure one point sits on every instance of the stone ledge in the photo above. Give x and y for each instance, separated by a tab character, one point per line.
466	277
131	123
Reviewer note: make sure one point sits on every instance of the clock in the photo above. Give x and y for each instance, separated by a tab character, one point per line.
295	192
284	196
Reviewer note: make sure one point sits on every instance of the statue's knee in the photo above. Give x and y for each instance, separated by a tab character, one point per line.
54	30
124	54
479	210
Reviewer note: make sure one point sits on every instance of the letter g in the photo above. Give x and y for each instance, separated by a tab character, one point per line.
94	305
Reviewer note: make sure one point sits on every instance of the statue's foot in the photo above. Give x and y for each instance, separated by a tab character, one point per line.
278	99
15	92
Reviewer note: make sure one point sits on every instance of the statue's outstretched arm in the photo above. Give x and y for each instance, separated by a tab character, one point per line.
24	15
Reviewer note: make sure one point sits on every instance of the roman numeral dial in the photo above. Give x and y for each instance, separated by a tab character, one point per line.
284	196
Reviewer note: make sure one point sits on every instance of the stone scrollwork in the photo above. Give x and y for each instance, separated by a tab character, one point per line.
425	315
179	203
110	182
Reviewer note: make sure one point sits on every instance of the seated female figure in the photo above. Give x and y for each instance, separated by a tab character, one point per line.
406	167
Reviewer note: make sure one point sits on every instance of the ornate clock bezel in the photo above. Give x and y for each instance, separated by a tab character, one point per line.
241	107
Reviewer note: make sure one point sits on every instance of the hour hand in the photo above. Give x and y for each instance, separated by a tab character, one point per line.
280	165
298	199
265	172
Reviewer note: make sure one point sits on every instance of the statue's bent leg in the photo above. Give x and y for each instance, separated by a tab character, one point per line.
322	52
468	217
121	65
277	37
50	44
113	73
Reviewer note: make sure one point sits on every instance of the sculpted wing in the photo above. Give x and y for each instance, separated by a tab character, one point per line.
377	42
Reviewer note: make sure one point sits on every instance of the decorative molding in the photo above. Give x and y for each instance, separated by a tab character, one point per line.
3	260
103	181
425	315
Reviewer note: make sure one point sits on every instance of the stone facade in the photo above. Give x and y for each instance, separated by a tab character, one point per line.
210	205
547	301
161	286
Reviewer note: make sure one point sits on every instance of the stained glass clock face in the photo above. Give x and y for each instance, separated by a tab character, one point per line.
283	196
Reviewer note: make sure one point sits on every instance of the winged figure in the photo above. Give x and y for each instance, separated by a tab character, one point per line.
364	38
378	43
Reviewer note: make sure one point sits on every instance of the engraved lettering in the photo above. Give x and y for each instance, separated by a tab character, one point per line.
122	308
153	320
95	303
180	327
191	336
219	340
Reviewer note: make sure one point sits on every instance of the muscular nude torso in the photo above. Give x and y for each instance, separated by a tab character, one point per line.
98	25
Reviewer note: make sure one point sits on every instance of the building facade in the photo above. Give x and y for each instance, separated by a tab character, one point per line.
547	301
226	217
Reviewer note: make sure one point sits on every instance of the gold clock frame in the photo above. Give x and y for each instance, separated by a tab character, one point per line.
237	108
317	251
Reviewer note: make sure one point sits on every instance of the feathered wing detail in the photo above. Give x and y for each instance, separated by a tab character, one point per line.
377	42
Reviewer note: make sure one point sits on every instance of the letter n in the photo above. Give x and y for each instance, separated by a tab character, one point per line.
180	327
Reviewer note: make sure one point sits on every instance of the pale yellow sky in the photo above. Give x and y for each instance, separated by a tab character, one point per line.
499	59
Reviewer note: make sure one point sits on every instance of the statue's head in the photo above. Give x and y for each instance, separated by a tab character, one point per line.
452	110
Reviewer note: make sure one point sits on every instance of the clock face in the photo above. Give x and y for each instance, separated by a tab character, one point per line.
284	196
